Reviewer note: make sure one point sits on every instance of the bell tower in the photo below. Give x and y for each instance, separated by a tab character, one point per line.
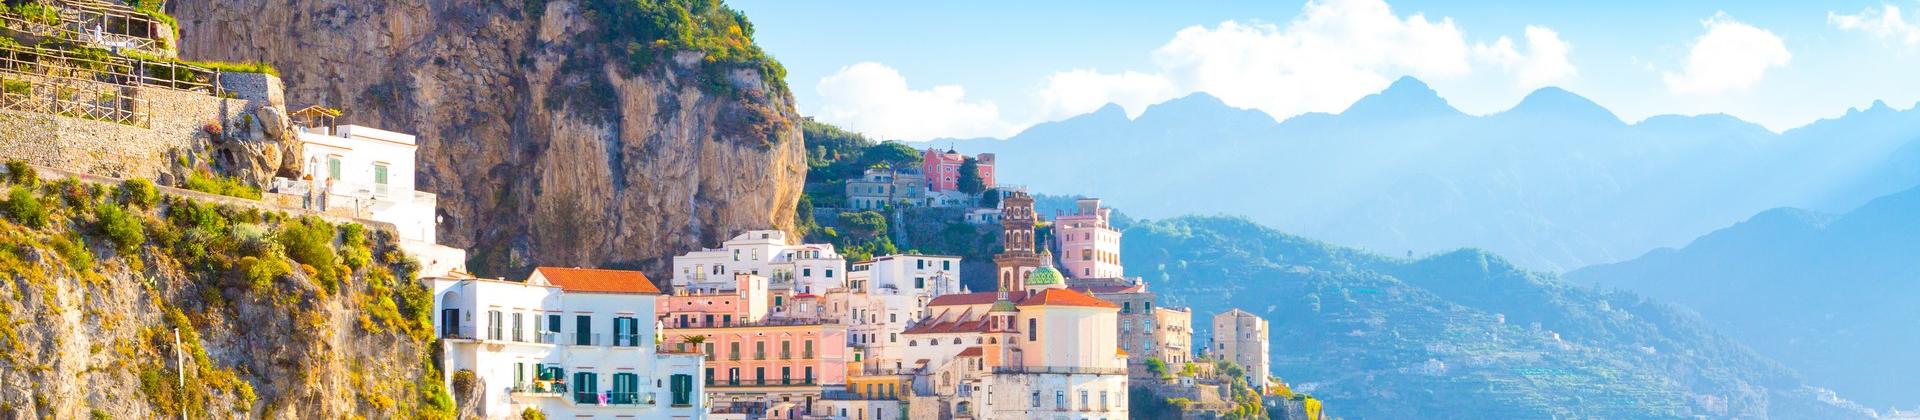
1018	256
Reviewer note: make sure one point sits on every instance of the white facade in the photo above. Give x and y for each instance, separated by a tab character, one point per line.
602	352
368	173
802	268
910	274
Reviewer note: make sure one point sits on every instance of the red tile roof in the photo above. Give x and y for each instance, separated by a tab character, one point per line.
594	280
971	351
1108	289
1066	297
980	298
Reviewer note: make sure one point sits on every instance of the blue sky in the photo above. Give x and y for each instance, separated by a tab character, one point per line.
919	70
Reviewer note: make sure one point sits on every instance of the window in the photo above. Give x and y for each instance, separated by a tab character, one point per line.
760	350
809	372
736	255
1060	399
786	375
726	320
1126	307
1086	255
586	388
1103	401
946	265
626	332
919	282
734	349
893	337
1036	399
380	178
893	317
919	264
553	324
682	390
786	350
1033	329
493	325
517	336
806	272
829	273
626	389
582	330
333	166
1083	400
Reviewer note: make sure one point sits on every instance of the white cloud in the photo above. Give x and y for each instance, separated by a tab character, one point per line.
875	99
1078	92
1330	55
1333	53
1886	23
1545	61
1730	56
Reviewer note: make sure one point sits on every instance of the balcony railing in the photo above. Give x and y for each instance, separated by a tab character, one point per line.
1074	370
586	339
626	340
786	355
540	387
762	382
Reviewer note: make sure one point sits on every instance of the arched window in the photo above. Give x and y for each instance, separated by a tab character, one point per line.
913	343
956	340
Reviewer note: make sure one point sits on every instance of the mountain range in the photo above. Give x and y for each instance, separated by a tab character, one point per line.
1832	295
1462	334
1555	183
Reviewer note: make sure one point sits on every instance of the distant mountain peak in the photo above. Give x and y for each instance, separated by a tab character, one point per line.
1406	97
1557	102
1201	107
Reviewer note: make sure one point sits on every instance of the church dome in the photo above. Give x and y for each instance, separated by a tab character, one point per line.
1046	275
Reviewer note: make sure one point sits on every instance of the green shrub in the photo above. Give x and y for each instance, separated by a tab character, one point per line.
261	272
24	207
19	173
354	247
73	249
120	227
309	241
18	87
533	414
140	193
227	186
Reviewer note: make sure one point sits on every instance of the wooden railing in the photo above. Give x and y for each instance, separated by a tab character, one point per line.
108	69
103	24
77	101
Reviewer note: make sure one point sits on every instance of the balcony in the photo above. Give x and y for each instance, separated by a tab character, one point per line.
761	382
578	339
626	340
540	389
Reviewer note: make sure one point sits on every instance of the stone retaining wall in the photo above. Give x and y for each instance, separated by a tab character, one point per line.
178	121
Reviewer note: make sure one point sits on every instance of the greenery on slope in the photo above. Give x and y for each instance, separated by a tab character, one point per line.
1459	335
1829	295
198	269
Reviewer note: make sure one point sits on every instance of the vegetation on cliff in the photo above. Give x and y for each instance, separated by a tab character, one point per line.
104	286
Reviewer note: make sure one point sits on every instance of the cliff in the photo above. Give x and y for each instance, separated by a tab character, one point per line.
555	132
276	316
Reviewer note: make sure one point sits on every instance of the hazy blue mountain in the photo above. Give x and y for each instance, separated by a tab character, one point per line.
1557	182
1836	297
1462	334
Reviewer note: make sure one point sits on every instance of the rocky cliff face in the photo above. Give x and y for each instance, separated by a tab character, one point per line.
113	306
544	146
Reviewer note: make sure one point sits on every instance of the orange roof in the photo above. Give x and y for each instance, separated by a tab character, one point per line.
976	298
594	280
1066	297
971	351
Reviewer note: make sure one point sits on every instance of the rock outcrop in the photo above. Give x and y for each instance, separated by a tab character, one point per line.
544	145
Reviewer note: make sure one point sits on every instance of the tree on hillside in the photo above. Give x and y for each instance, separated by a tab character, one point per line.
866	225
970	180
894	153
990	199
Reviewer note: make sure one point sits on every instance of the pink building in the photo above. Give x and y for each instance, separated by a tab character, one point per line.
1089	246
942	169
755	360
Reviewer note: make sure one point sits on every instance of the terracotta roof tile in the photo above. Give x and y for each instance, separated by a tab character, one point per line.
594	280
978	298
1066	297
971	351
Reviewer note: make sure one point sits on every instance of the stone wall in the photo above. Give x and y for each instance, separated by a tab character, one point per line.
176	132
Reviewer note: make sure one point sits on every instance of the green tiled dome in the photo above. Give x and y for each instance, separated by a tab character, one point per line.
1044	276
1003	305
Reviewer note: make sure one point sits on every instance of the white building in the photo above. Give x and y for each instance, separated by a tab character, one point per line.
367	173
573	343
983	216
802	268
